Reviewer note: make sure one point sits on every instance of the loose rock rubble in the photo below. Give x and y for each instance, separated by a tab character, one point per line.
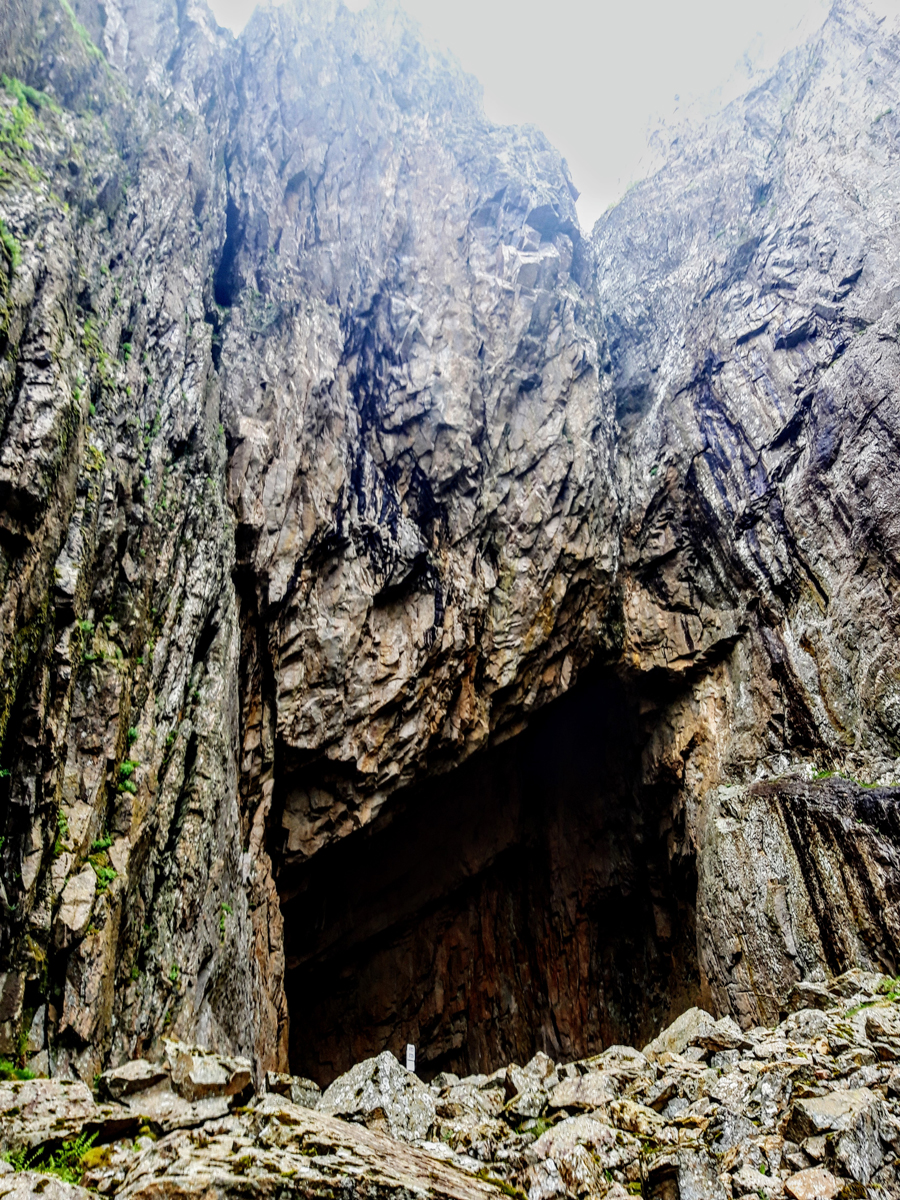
808	1110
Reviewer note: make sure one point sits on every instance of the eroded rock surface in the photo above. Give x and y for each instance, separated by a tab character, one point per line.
808	1108
332	452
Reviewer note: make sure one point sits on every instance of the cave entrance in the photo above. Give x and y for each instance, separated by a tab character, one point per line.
525	901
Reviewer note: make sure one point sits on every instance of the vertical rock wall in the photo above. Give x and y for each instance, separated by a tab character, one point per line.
123	864
332	451
749	296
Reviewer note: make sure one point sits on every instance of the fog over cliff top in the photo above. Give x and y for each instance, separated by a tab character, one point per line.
608	83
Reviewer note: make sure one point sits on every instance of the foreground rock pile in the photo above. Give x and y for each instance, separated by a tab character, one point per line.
707	1111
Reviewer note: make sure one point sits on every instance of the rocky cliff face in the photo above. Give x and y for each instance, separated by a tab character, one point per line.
749	294
422	621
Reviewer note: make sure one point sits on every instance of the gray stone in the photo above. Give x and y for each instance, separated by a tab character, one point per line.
529	1103
809	995
163	1109
733	1129
612	1148
725	1034
38	1110
749	1181
822	1114
589	1091
131	1077
39	1064
37	1031
74	914
295	1088
24	1185
277	1147
814	1183
685	1031
198	1074
857	1116
382	1094
698	1178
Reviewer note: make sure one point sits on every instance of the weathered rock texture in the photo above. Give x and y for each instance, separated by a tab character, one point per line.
523	900
749	293
332	451
807	1110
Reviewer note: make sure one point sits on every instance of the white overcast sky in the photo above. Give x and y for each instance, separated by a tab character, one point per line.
599	77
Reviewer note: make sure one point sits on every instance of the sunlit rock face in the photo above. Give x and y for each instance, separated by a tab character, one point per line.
339	469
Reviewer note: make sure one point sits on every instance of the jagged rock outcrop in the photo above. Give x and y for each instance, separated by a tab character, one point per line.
333	451
749	297
384	532
708	1111
123	864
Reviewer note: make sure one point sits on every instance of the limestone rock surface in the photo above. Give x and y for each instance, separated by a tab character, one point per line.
803	1109
421	620
382	1095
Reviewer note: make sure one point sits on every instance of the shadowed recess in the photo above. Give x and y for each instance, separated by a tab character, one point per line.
525	901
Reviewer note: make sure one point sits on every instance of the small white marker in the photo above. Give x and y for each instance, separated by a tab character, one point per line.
410	1057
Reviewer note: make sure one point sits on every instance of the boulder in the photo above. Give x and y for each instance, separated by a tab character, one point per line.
612	1148
164	1110
809	995
698	1177
295	1088
578	1170
636	1118
529	1103
857	1116
199	1074
622	1061
540	1068
686	1174
725	1034
815	1183
857	982
131	1077
277	1148
816	1115
883	1024
686	1030
750	1181
381	1094
24	1185
589	1091
34	1111
478	1101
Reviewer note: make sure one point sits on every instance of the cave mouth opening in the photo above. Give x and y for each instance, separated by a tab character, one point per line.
527	900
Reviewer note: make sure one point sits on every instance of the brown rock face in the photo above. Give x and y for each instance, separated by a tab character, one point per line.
407	597
528	897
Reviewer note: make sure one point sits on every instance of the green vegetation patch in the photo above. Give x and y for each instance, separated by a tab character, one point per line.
9	1070
83	36
506	1188
11	247
66	1162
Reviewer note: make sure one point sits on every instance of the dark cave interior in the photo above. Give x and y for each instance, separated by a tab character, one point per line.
525	901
